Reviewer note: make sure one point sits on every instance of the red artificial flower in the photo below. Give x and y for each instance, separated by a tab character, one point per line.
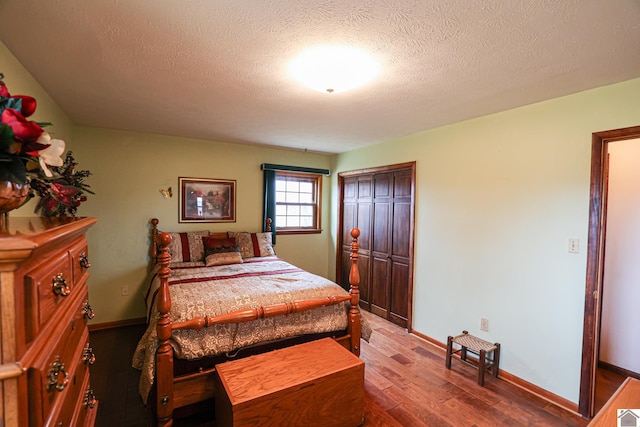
64	193
51	206
28	104
23	130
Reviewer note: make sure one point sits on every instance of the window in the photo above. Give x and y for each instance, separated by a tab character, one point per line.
297	202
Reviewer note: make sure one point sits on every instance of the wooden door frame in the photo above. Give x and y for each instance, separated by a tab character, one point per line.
382	169
595	259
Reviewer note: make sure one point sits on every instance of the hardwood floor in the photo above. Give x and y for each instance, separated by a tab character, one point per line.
406	384
607	382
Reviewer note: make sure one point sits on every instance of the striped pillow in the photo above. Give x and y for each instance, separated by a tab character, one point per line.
253	244
186	247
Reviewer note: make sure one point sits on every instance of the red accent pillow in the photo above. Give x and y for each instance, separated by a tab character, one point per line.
213	243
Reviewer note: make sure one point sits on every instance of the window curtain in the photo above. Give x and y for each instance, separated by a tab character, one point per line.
270	170
270	202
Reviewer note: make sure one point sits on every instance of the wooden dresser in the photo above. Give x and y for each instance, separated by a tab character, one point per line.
44	309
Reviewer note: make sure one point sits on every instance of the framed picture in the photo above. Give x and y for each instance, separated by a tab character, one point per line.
207	200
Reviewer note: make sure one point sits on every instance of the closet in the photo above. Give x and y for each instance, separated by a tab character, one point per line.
380	202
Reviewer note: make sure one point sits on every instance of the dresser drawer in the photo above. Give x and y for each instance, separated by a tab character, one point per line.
86	408
49	287
56	376
63	415
80	264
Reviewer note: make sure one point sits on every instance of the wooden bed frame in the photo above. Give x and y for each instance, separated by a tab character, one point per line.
172	392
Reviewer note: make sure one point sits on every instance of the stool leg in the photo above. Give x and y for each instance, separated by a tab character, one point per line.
449	350
496	360
481	367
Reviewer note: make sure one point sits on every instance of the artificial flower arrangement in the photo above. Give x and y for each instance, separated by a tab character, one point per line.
30	157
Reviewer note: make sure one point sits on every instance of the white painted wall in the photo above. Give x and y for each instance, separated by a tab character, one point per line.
619	336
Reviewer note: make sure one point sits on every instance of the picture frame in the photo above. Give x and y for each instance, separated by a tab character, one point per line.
207	200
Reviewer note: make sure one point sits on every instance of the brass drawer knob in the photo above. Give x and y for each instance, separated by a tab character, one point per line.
60	287
89	398
84	260
56	374
87	311
87	356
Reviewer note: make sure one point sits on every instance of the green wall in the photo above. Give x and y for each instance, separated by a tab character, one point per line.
130	168
497	199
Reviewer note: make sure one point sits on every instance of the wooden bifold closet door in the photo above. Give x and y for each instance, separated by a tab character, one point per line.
380	203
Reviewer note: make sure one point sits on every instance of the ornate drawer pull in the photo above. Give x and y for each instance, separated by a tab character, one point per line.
54	383
84	260
89	398
88	357
87	311
60	287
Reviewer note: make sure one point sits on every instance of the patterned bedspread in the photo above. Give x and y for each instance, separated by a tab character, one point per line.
197	290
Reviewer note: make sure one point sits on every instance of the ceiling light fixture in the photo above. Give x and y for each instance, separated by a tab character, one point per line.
334	69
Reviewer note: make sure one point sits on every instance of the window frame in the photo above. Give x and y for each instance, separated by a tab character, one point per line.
316	180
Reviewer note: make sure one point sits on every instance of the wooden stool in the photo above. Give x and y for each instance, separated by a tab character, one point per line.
488	354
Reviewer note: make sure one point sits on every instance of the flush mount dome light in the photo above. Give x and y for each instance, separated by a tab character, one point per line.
334	69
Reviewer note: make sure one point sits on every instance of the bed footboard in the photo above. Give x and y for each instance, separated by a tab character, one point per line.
165	399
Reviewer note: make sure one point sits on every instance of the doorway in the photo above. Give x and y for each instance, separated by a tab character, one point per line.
595	262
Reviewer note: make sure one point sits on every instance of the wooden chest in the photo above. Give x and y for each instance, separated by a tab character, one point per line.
319	383
44	338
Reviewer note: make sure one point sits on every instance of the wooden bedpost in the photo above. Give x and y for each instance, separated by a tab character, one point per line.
354	291
164	353
154	241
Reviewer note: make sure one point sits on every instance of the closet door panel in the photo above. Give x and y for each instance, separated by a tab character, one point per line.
382	187
364	224
401	230
398	307
381	223
365	285
380	287
402	184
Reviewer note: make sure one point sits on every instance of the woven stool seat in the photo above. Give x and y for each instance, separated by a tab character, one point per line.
488	353
474	343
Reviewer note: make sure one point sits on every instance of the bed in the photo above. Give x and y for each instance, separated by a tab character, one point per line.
214	297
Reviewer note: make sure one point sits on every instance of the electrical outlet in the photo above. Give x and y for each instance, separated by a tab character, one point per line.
574	246
484	324
124	291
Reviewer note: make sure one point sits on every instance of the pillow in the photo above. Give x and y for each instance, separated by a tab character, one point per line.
222	255
218	242
187	247
253	244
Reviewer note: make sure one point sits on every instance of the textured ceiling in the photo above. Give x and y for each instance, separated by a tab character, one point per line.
217	69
